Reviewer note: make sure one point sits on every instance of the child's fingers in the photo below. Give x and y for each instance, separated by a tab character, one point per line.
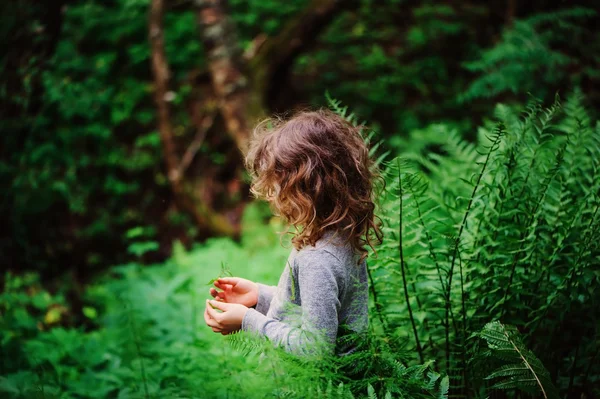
224	306
210	321
219	296
213	313
223	286
228	280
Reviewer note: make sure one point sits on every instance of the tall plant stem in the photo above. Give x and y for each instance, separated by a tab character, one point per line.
586	244
382	319
533	214
428	237
544	125
431	250
510	166
499	133
546	272
403	265
527	365
493	147
464	327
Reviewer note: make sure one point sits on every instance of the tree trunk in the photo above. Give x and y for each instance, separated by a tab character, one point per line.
240	105
274	59
206	219
242	87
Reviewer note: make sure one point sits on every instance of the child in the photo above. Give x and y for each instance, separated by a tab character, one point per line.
315	171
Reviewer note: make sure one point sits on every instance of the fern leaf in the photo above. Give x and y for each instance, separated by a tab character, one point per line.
444	388
525	370
371	392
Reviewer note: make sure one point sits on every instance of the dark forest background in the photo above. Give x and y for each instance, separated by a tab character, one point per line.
91	132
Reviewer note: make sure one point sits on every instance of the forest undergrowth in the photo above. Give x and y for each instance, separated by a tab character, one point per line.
486	285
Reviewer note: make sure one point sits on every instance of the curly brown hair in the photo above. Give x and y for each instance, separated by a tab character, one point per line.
315	170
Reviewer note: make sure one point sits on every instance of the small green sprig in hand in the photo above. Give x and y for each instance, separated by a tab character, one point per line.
225	272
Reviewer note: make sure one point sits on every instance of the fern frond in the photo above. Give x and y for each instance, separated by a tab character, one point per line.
245	343
525	370
527	54
369	135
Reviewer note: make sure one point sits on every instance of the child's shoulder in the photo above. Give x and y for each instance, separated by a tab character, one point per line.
330	250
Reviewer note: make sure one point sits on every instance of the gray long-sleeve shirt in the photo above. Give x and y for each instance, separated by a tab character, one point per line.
321	298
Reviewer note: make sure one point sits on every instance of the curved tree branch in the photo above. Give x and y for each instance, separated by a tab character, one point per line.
276	55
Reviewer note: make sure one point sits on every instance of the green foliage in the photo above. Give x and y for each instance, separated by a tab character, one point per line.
531	56
262	17
88	165
502	226
373	370
149	340
370	136
225	272
391	61
521	368
500	230
81	160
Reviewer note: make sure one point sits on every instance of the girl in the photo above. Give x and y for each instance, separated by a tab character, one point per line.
315	171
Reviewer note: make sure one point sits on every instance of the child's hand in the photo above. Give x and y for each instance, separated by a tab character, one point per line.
236	290
229	320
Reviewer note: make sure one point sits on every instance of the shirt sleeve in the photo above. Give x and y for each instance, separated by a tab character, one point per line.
319	278
265	296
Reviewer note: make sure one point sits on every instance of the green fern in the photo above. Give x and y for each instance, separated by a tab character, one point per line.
247	344
369	135
522	369
501	228
529	57
342	110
